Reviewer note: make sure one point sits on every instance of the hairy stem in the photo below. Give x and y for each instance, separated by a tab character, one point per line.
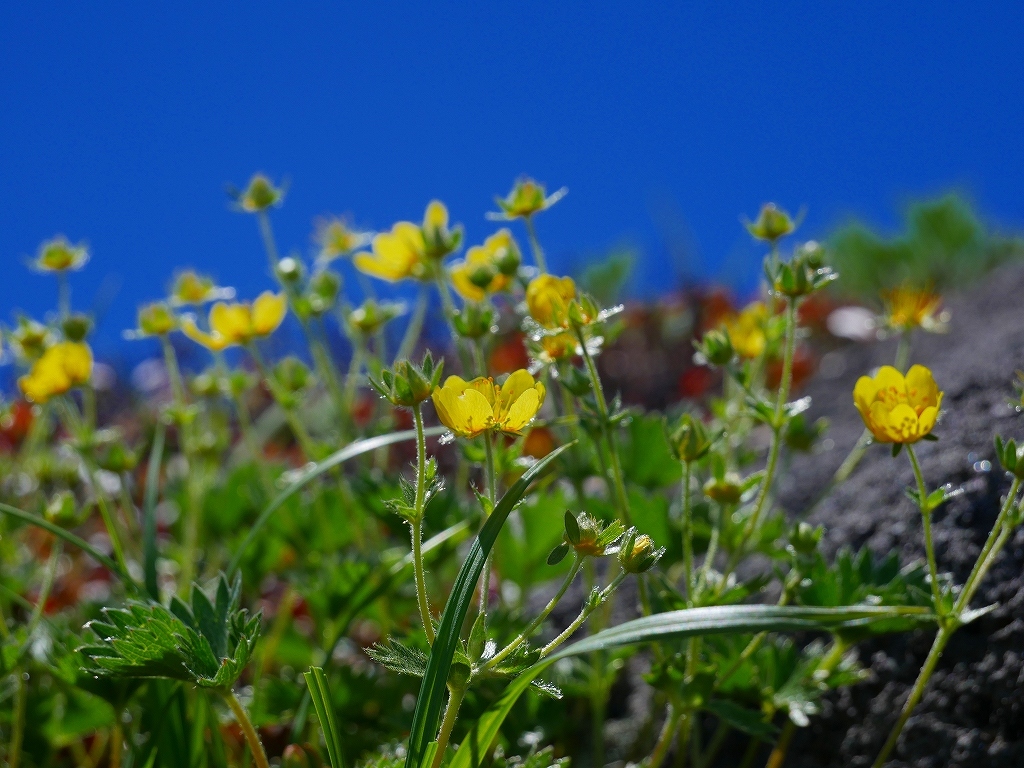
415	326
588	609
417	525
251	737
538	252
687	533
451	715
523	636
926	518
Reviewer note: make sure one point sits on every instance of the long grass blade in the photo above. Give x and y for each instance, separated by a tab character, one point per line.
316	683
431	697
677	624
69	537
314	470
149	553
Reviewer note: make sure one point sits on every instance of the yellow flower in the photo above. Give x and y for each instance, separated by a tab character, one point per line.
526	198
907	307
239	323
193	289
63	366
337	239
59	255
411	250
548	298
397	255
487	267
895	408
746	330
470	408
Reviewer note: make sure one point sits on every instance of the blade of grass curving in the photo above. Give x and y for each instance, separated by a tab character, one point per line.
316	684
149	553
431	697
314	470
372	588
676	624
69	537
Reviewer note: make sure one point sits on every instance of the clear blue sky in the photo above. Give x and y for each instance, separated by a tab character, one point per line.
121	123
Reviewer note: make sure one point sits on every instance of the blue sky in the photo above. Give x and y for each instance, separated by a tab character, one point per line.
121	124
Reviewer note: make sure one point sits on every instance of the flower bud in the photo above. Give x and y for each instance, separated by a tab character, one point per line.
59	255
805	538
156	319
323	291
474	320
406	384
60	509
689	440
1010	456
772	224
527	198
260	195
30	339
292	374
639	553
715	347
76	326
725	490
589	536
371	316
290	270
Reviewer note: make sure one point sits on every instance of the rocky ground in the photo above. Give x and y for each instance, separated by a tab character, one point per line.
973	711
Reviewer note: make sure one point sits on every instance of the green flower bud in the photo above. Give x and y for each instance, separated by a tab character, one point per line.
407	384
323	290
60	509
290	270
725	490
1010	456
805	538
292	374
715	348
772	224
371	316
260	195
689	440
59	255
639	553
156	319
589	536
76	326
474	320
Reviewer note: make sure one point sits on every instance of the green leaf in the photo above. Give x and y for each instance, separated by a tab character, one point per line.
314	471
316	684
427	715
149	553
145	640
398	658
678	624
748	721
69	537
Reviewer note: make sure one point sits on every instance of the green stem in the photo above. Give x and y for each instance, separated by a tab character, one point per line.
523	636
417	526
584	614
269	244
926	518
294	422
108	522
939	644
712	550
618	484
251	737
352	379
415	326
116	742
479	357
985	557
903	351
773	451
325	367
451	715
49	576
485	584
538	252
17	720
687	533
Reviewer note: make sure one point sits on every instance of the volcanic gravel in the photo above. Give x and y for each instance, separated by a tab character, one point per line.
973	711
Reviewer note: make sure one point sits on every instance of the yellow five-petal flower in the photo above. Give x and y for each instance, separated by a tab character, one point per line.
470	408
548	298
481	273
746	330
239	323
895	408
61	367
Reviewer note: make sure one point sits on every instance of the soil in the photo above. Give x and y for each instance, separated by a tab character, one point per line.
973	711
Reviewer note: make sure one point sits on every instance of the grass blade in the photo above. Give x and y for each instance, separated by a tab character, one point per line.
149	553
431	697
676	624
69	537
314	471
316	683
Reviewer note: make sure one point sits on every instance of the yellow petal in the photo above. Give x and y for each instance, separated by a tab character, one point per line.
922	390
486	389
926	421
892	387
213	342
455	383
369	264
268	312
864	393
76	361
523	411
465	287
903	424
436	216
515	385
466	413
877	420
232	321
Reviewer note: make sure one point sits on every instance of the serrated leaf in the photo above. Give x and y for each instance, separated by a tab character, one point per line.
398	658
